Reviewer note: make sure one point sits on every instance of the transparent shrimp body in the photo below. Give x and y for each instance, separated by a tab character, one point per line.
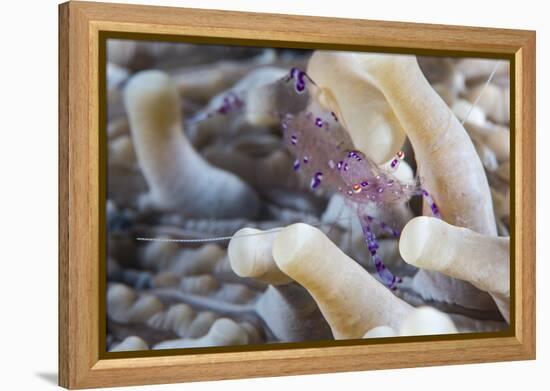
324	151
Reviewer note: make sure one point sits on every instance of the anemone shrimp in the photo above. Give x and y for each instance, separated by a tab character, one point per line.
324	151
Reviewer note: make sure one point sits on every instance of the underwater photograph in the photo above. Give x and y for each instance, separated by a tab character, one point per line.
271	195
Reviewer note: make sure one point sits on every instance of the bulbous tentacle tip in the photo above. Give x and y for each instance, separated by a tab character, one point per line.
414	238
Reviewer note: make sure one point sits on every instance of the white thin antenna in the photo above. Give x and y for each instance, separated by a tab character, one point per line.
478	97
224	238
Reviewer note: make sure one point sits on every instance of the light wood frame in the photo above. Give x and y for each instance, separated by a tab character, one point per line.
81	363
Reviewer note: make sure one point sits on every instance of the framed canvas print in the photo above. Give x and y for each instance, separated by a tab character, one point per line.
248	195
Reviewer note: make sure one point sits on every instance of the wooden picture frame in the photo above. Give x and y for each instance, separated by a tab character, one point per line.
82	27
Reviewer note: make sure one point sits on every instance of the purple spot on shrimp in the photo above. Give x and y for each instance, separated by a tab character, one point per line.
230	102
319	122
364	183
354	154
340	164
306	159
293	139
380	190
373	246
316	180
300	84
296	165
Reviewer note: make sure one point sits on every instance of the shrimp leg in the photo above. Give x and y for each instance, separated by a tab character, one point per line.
387	277
385	227
431	202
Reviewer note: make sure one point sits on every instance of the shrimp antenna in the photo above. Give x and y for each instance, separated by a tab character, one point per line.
478	97
235	236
